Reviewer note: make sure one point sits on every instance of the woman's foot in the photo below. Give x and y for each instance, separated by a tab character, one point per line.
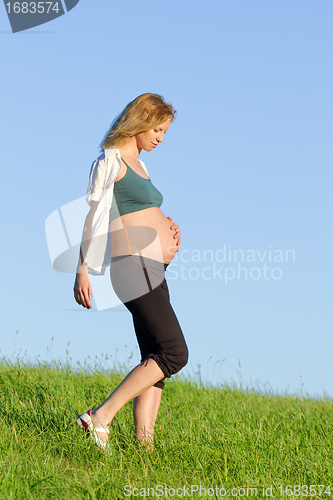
99	433
103	436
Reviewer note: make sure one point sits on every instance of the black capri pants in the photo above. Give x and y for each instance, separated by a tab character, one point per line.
140	284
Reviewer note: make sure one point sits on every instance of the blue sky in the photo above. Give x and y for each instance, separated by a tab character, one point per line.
247	165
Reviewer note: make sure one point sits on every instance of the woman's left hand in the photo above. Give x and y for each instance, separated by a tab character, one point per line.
175	227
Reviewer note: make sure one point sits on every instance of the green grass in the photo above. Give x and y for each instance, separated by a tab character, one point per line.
214	437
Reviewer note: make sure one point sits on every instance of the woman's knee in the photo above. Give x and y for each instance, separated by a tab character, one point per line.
180	361
169	362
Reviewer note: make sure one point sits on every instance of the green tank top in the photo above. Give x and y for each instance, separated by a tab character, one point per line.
133	193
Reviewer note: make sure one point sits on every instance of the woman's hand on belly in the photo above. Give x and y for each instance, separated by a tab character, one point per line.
176	228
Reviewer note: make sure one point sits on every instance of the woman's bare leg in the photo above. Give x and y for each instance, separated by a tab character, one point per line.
139	380
145	410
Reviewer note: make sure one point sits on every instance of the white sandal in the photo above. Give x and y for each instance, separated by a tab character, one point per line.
85	423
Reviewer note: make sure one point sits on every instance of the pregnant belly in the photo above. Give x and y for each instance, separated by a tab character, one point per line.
146	232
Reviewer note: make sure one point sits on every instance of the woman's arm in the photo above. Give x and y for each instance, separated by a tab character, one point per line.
82	286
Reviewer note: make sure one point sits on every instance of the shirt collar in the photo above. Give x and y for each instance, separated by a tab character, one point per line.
109	152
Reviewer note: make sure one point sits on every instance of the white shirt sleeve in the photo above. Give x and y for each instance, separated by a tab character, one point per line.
97	179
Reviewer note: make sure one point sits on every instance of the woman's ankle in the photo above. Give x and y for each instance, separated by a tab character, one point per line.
145	436
101	417
145	442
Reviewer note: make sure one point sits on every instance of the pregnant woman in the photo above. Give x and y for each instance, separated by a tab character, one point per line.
125	211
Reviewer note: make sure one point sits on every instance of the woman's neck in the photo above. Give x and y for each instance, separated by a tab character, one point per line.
130	149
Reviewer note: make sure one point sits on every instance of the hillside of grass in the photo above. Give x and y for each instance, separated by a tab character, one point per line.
209	442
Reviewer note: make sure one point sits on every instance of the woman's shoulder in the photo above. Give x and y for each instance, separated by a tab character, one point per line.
106	160
107	155
111	153
103	171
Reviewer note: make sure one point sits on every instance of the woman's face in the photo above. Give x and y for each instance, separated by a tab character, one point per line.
150	140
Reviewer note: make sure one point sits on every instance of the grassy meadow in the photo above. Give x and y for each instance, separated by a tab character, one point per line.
210	442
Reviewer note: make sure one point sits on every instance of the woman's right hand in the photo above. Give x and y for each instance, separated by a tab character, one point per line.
82	289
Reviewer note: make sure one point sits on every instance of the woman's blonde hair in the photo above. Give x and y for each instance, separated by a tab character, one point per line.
143	113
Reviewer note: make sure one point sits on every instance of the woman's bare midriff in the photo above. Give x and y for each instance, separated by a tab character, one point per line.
145	233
